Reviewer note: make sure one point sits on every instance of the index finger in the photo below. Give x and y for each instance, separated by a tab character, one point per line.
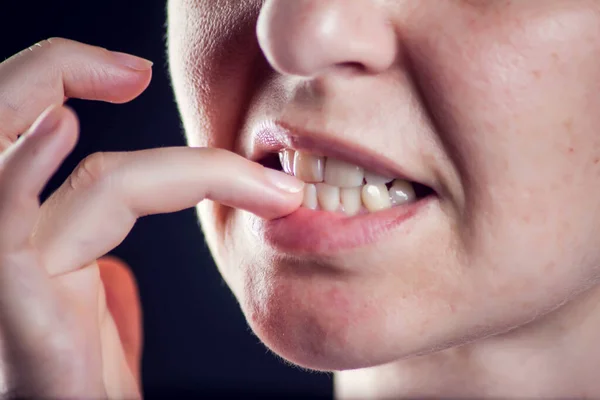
97	207
56	69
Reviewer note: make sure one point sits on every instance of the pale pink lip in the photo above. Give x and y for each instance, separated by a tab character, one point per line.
324	233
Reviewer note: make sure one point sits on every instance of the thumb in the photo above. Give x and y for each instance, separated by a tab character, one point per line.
123	303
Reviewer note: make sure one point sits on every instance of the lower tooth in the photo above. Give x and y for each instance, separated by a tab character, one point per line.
310	197
375	197
401	192
329	196
350	198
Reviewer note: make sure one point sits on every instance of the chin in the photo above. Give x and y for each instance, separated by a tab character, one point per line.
327	324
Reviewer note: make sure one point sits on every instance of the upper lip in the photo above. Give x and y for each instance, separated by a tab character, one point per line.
272	136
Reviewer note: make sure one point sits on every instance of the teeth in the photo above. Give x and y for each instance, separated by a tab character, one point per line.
329	196
332	182
401	192
308	168
375	197
375	179
310	197
351	201
342	174
286	157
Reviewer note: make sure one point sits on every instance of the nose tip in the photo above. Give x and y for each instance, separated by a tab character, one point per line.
309	37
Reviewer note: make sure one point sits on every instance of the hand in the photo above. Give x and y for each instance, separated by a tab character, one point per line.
69	324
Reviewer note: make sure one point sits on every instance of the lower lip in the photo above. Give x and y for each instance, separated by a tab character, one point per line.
320	232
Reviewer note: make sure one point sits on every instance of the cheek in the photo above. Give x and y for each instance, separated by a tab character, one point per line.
212	53
516	102
514	93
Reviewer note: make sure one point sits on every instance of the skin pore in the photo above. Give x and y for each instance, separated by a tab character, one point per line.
494	284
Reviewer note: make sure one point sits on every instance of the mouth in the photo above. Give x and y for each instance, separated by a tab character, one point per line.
351	197
339	186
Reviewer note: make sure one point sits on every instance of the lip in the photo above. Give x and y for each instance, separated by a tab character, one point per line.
323	233
271	136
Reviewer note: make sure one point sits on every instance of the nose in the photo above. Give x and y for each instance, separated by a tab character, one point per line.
311	37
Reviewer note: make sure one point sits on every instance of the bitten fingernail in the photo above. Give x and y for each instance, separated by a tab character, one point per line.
284	181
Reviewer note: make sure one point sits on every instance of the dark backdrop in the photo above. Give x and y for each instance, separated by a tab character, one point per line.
196	339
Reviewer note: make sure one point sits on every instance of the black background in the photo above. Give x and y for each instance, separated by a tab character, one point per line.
196	339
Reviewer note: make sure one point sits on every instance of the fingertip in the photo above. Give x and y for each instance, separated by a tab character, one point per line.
123	76
129	88
30	162
287	194
248	185
282	181
71	121
47	122
58	127
136	79
132	62
34	142
53	118
289	204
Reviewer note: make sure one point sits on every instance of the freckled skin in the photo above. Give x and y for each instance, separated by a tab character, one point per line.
498	99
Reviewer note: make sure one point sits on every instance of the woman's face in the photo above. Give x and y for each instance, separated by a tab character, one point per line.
492	105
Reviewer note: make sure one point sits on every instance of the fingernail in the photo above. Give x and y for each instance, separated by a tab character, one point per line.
132	62
47	122
284	181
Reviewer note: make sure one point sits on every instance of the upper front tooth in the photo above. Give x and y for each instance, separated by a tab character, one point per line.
401	192
375	197
308	168
287	160
342	174
376	179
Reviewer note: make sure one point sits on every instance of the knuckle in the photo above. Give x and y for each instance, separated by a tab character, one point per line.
51	52
44	46
53	42
91	171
